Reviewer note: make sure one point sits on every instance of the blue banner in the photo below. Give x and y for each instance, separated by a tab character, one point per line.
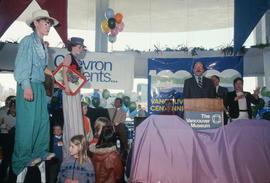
247	13
166	78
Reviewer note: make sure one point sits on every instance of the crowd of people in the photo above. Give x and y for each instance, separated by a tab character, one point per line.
93	156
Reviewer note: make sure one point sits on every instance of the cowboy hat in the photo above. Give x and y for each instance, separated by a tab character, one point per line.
38	14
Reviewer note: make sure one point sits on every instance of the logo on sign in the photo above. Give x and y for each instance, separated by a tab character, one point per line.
94	71
216	118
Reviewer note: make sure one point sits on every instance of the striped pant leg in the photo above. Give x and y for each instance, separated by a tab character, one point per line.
73	121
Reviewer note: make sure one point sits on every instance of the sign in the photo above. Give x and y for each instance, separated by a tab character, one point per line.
204	120
103	70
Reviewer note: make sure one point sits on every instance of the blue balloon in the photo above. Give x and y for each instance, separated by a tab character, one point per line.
109	13
124	108
96	95
133	114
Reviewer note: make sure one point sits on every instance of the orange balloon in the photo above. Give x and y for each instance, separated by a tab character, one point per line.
104	26
118	17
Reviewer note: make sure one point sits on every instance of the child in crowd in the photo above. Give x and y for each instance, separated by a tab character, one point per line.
58	142
99	124
56	145
77	168
107	163
87	124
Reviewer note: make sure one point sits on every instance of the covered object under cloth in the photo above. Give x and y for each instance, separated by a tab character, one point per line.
166	149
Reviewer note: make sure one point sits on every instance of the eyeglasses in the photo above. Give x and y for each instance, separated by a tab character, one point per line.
47	23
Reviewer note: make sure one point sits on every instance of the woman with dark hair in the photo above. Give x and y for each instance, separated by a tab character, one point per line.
239	102
107	163
73	119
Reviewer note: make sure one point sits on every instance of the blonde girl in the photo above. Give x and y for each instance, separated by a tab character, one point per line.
77	168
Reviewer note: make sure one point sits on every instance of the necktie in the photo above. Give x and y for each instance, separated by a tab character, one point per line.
114	114
200	82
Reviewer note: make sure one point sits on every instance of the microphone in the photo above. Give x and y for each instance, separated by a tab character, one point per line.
173	94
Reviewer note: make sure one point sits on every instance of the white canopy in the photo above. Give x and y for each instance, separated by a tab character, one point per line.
152	15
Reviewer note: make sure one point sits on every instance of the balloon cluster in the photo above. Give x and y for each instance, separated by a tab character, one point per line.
105	100
112	25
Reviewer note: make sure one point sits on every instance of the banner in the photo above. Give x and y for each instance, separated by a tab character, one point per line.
104	70
247	14
166	78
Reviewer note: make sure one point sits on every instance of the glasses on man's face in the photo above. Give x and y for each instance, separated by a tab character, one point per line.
47	23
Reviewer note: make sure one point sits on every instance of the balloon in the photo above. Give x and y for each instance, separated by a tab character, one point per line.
265	92
106	94
124	108
104	26
126	100
114	31
118	17
111	23
132	106
120	95
112	39
87	100
120	26
109	13
133	114
95	102
95	95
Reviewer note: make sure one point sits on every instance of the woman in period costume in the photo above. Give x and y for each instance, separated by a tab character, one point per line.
73	119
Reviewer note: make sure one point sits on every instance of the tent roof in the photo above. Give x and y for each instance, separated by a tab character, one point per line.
152	15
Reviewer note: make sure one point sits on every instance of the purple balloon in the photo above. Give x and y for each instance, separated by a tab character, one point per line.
120	26
114	31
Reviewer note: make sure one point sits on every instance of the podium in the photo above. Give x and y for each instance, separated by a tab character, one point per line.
204	113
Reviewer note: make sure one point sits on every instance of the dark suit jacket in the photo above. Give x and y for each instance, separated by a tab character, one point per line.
234	106
222	92
192	90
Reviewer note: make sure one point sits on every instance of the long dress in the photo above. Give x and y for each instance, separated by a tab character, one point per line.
73	120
